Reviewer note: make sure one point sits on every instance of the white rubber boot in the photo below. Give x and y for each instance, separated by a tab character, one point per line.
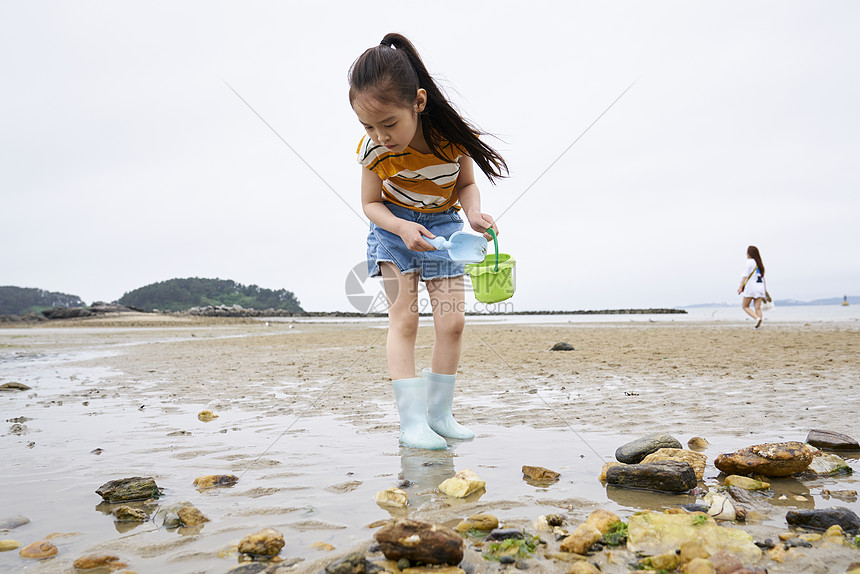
411	397
440	397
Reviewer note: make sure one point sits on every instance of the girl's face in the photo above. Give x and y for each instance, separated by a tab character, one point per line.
394	127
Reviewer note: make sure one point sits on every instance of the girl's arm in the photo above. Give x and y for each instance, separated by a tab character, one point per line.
411	233
470	199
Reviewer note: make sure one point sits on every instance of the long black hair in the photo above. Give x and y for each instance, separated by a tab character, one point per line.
752	251
392	73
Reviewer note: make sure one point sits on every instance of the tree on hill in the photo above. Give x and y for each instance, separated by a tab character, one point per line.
23	300
182	294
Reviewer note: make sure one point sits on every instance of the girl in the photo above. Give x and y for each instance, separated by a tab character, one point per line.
752	285
417	174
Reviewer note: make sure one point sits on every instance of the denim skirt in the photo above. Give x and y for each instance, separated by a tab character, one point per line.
383	245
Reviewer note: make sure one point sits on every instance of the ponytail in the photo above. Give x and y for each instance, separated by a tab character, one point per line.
392	73
752	251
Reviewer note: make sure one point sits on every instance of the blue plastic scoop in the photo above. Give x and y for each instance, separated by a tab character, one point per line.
462	247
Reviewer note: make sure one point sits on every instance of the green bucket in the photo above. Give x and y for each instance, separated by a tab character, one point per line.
493	278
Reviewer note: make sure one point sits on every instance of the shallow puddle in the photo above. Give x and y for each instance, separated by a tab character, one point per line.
314	478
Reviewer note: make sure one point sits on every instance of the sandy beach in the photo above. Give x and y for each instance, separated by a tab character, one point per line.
307	420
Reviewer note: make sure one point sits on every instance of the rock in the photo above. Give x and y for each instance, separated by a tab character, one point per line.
698	443
482	522
831	440
38	550
91	561
665	561
462	484
720	507
698	566
213	480
828	465
652	533
562	346
771	459
420	541
539	475
264	544
354	563
745	483
822	519
322	546
606	467
14	386
581	539
9	544
834	536
128	489
725	563
13	522
666	475
129	514
583	567
691	550
206	416
168	516
602	520
695	459
393	497
191	516
247	568
506	533
634	451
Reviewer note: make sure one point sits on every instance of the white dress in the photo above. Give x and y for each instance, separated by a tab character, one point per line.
755	286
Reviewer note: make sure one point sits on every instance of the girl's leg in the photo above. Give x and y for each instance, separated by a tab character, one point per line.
758	314
449	318
746	308
410	392
402	294
448	302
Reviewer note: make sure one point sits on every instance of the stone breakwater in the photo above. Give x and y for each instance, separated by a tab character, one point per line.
237	311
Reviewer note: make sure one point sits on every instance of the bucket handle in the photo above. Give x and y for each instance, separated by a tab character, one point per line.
496	245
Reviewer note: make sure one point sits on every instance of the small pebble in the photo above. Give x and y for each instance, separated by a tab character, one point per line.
507	559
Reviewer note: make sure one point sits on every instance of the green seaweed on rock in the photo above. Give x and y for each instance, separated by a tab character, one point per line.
616	535
516	547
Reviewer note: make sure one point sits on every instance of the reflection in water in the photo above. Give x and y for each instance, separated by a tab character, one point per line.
647	499
790	492
422	471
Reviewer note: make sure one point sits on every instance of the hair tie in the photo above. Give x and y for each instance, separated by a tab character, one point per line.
387	45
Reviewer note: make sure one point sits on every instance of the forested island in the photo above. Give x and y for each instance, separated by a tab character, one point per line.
183	294
173	295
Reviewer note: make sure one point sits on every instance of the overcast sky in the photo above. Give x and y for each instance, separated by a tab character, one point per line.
125	158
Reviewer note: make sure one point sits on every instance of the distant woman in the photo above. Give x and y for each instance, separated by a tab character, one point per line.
752	285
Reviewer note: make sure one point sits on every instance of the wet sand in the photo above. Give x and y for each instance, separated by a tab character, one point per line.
307	420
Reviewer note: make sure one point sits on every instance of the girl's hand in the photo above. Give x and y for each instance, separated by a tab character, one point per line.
481	222
413	235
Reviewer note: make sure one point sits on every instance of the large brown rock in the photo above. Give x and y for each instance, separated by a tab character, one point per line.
665	475
127	489
770	459
420	541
